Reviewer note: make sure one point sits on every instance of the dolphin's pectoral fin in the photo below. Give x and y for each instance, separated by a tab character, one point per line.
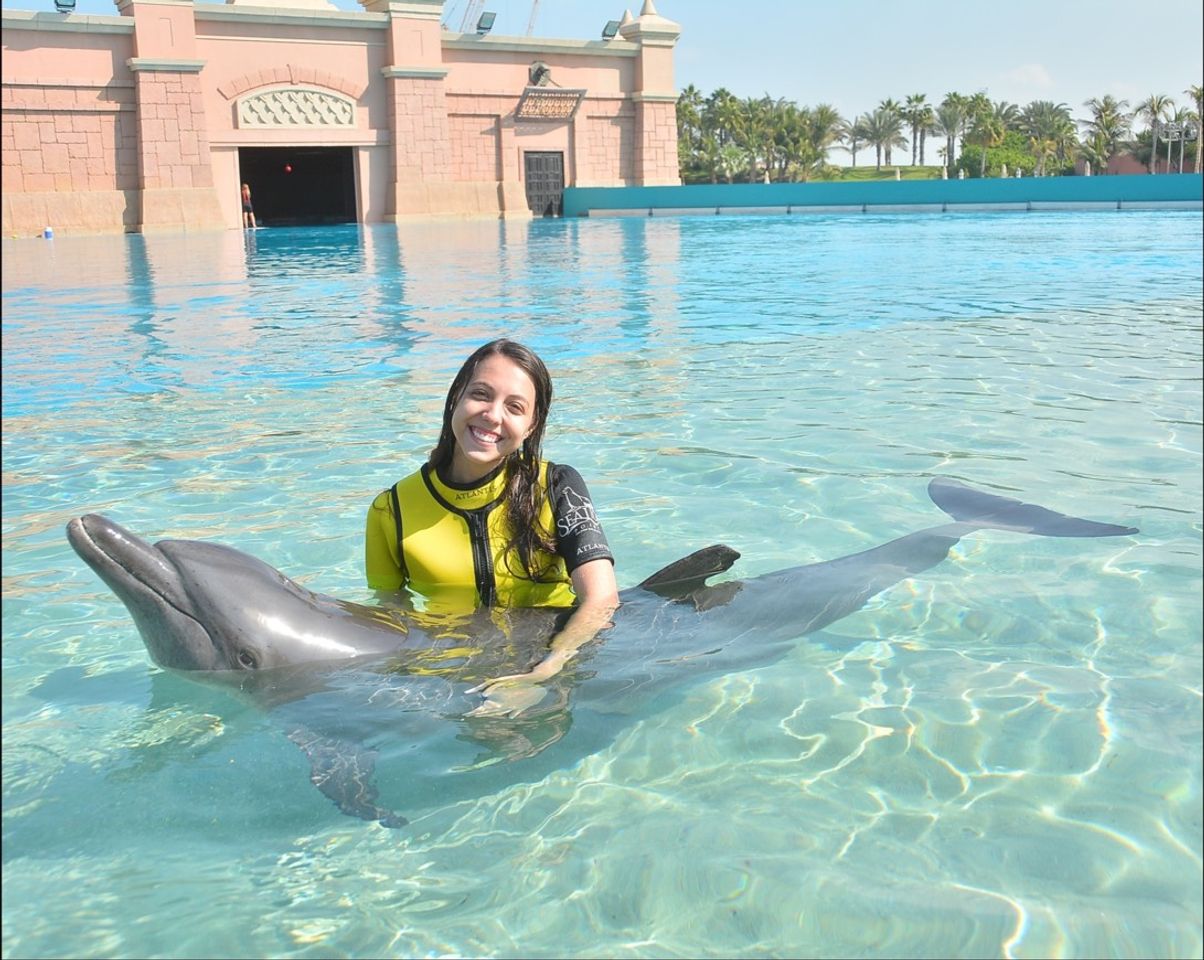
682	577
344	773
967	505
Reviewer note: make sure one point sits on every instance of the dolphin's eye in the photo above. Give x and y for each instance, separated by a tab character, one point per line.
246	659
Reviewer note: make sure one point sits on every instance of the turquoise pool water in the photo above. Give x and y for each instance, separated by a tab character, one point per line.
1001	757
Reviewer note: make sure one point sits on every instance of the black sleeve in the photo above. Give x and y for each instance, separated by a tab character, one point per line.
579	536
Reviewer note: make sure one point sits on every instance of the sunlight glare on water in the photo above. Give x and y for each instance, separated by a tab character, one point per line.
998	757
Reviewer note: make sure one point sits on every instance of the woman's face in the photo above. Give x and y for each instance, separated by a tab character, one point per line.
492	418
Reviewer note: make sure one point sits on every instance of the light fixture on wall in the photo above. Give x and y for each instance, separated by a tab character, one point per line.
540	74
64	6
611	28
485	24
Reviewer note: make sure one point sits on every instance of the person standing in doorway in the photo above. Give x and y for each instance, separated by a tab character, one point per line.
248	211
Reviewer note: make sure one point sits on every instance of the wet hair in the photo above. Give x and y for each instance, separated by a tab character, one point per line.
523	497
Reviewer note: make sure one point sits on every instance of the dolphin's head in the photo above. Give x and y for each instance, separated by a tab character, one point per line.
204	606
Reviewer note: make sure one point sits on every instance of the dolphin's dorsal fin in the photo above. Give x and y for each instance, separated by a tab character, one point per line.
682	577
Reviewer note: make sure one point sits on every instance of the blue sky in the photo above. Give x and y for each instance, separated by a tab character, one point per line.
854	54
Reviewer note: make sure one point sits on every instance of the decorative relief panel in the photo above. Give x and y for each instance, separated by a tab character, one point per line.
544	103
296	107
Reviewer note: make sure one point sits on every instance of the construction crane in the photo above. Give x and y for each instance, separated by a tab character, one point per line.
472	10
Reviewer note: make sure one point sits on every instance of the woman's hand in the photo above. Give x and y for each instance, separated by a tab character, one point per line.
510	695
598	596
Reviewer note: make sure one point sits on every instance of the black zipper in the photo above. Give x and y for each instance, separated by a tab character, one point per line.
478	537
482	556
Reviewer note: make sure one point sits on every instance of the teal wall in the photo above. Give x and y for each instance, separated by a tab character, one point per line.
1176	188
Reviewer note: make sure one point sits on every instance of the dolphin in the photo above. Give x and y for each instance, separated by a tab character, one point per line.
346	675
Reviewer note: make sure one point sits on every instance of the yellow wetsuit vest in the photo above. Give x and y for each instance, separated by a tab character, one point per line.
452	545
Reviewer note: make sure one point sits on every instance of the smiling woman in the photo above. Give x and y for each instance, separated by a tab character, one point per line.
486	521
494	415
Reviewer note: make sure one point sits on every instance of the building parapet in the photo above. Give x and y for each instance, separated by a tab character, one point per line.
165	65
65	23
540	45
298	17
419	73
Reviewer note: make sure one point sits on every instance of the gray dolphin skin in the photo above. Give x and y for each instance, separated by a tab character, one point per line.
344	674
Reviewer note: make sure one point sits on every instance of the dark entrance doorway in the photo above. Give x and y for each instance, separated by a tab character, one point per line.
293	186
544	173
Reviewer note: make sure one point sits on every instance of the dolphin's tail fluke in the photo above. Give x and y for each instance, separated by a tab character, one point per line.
968	505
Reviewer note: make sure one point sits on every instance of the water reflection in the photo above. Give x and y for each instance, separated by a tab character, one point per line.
298	306
305	252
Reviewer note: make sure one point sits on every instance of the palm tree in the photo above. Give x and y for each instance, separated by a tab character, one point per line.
989	123
978	108
1196	92
1008	115
825	129
890	108
689	115
950	118
732	159
1044	150
796	152
758	135
1182	119
788	131
883	130
854	135
925	124
1153	108
782	122
689	128
709	156
1109	125
804	140
1095	151
1065	135
721	115
915	108
1050	130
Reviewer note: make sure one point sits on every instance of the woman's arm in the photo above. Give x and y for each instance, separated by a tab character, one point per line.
598	598
381	564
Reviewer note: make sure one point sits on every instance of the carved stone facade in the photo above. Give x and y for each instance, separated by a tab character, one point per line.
296	107
139	122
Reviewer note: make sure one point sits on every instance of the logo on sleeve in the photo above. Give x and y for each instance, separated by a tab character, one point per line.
579	517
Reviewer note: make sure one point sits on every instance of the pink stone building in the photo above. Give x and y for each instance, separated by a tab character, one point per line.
152	119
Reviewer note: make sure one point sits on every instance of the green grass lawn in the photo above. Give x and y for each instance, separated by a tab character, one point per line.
860	174
906	172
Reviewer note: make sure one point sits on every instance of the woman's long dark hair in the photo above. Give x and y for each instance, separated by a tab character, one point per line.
523	497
